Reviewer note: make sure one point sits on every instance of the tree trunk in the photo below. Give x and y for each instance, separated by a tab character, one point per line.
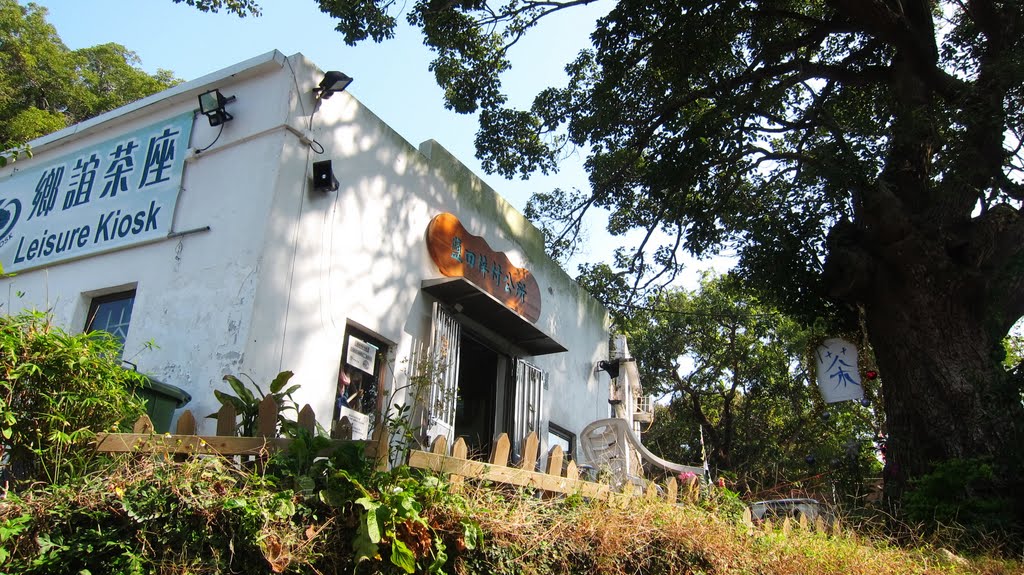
946	393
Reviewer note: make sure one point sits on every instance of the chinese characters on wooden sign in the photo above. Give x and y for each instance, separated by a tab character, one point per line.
459	253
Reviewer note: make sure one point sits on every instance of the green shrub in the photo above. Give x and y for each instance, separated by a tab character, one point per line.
58	390
963	492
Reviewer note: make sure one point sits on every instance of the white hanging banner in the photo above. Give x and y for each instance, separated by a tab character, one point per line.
838	376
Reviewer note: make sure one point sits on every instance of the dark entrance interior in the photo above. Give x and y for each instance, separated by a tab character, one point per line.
475	404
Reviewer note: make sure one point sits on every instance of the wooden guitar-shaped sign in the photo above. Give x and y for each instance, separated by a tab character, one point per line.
459	253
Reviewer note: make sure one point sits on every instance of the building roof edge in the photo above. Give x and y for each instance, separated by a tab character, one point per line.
168	97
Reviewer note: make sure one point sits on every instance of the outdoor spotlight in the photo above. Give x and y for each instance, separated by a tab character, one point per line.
612	367
333	82
211	104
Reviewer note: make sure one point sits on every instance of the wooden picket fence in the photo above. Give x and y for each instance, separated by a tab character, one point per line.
553	480
556	479
789	524
184	440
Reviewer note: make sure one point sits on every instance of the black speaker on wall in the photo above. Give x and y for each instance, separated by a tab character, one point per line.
323	177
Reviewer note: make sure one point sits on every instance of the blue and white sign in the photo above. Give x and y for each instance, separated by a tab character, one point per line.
115	194
838	376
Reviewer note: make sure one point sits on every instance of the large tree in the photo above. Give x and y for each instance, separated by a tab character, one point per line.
45	86
853	152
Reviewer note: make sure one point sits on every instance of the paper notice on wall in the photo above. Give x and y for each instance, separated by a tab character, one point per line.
360	423
838	376
361	355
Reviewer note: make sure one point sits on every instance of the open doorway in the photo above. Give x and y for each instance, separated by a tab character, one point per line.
477	392
476	399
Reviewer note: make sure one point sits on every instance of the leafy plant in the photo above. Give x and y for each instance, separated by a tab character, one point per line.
9	529
247	404
57	391
393	519
11	153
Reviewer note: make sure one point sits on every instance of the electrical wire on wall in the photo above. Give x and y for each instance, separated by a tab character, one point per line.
210	145
291	268
314	145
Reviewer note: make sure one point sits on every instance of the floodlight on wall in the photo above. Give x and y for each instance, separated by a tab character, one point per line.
211	105
611	367
332	83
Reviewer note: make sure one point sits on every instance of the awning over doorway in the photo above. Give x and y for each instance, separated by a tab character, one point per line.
484	308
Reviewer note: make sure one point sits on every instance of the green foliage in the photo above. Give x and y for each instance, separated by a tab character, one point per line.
46	86
11	527
1013	344
739	371
360	20
240	8
550	212
962	492
247	404
395	515
142	517
57	391
154	515
10	152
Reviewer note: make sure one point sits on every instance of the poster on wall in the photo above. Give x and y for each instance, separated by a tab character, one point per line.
360	423
838	375
361	355
110	195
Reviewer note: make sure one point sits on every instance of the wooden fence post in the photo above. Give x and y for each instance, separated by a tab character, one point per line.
143	425
226	420
266	421
186	424
572	471
652	491
379	440
530	447
499	452
671	491
459	451
341	428
555	457
307	420
440	445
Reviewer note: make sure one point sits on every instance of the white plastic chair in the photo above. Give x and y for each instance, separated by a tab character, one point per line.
610	446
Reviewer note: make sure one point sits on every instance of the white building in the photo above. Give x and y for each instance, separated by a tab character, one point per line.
227	248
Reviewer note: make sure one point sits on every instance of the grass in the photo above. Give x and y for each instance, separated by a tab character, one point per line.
653	537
